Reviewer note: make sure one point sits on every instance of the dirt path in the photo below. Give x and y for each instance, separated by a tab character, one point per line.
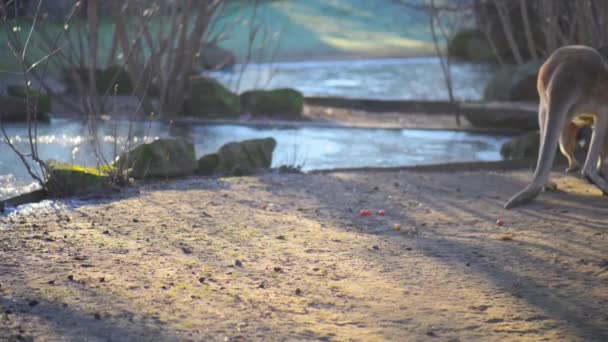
286	257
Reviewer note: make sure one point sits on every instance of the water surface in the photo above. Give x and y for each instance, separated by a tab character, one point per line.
388	79
309	147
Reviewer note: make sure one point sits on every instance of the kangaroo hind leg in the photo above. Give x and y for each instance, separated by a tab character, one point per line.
590	168
555	119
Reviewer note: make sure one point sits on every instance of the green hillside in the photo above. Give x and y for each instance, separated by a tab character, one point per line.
289	30
335	29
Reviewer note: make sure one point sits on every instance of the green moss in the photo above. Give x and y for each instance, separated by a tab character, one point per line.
42	100
245	157
69	179
104	80
283	102
471	45
210	99
160	158
208	164
121	86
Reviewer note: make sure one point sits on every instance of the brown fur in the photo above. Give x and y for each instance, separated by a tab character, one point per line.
573	89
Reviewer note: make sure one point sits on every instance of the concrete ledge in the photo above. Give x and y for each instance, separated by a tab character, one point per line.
494	115
502	165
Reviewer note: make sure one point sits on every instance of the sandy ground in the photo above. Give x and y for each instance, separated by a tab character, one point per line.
287	257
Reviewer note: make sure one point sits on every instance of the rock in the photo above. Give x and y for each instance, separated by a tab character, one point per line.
30	197
160	158
214	57
41	100
281	103
501	116
516	83
54	86
121	86
69	179
208	164
246	157
471	45
209	99
524	146
14	109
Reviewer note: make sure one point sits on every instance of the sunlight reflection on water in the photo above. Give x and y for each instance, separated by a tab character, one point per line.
389	79
311	147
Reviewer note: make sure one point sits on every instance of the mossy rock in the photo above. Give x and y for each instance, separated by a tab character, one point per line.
516	83
121	86
246	157
41	99
14	109
524	146
281	103
208	98
160	158
207	164
471	45
213	57
67	179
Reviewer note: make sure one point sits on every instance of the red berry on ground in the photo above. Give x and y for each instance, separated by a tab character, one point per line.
381	212
365	212
499	223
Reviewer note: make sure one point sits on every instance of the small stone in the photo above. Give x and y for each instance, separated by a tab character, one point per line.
397	227
376	247
298	292
201	280
278	269
238	263
33	302
507	237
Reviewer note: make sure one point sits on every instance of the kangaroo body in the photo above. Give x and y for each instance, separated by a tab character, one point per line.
573	90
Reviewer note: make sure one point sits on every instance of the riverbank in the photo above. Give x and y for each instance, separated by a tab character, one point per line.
286	256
